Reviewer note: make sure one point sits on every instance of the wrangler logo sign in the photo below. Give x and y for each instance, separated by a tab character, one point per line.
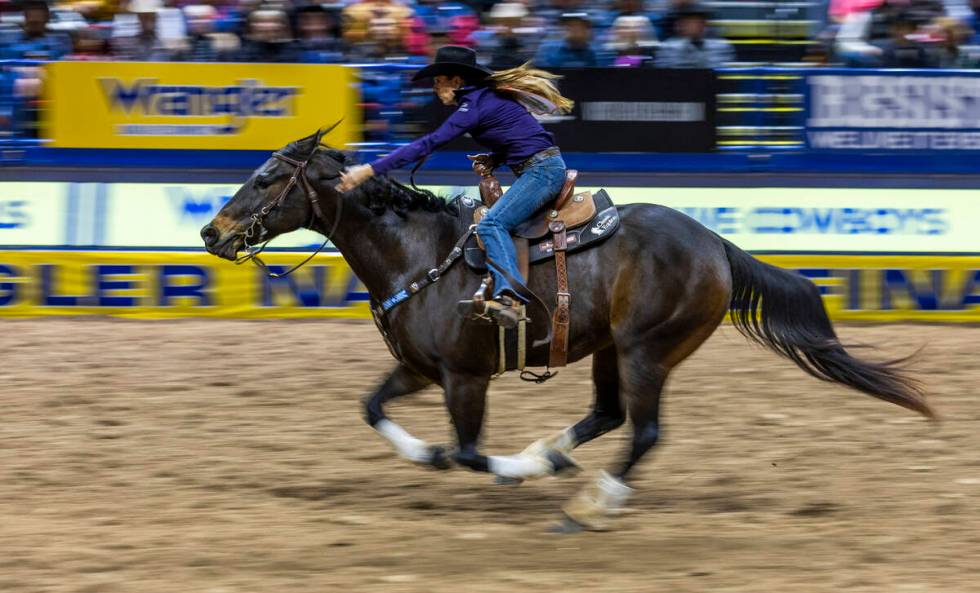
198	106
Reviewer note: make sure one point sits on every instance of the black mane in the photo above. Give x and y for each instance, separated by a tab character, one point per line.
381	193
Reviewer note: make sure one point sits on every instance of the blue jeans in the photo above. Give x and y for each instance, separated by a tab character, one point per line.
538	184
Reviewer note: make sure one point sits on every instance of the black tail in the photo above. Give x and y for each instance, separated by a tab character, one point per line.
783	311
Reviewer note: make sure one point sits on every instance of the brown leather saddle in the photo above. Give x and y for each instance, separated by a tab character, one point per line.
574	221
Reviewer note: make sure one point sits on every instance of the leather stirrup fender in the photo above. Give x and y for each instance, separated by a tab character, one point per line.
561	319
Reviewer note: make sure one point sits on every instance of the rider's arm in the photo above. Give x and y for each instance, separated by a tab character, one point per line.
461	121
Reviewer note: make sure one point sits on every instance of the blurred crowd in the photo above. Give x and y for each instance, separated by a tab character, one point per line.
551	33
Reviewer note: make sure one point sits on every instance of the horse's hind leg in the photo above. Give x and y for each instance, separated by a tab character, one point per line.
642	379
402	381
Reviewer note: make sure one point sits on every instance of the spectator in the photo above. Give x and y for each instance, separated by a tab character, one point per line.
417	40
89	44
507	45
268	39
851	44
317	42
171	25
863	36
691	47
34	41
903	50
145	45
666	25
553	12
384	42
632	41
574	49
359	16
954	33
971	18
840	10
203	44
445	16
632	8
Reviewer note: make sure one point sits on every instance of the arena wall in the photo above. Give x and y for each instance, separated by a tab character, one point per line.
133	250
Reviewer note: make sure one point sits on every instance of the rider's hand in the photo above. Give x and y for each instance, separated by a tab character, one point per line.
482	163
354	176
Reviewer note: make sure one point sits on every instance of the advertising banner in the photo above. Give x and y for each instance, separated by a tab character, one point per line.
627	110
769	219
893	111
161	285
637	110
171	215
820	220
170	285
34	214
197	106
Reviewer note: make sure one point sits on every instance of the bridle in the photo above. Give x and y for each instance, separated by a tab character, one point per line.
256	230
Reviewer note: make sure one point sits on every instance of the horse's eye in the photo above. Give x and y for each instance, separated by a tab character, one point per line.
263	181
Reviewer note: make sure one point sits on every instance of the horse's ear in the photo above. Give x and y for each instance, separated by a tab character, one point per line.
324	131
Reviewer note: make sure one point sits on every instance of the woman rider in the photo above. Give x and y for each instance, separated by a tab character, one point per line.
495	109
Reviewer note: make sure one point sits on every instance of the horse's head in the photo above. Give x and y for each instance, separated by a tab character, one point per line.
278	198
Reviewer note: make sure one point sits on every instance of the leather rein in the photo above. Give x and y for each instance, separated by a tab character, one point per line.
256	230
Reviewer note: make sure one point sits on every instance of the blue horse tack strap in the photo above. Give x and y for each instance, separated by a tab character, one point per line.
394	299
431	277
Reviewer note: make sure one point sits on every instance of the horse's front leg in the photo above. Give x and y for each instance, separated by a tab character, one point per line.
402	381
466	398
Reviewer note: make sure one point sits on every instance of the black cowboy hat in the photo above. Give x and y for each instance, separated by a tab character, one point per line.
693	10
454	60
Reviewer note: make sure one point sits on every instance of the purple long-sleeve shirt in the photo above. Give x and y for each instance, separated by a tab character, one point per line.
493	119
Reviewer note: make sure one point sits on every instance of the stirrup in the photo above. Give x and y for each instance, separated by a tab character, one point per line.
501	311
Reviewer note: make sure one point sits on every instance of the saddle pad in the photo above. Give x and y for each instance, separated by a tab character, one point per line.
602	226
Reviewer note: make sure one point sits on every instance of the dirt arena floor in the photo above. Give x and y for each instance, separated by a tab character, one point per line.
178	457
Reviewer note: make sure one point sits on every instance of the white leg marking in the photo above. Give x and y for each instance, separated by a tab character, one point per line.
598	501
611	493
562	441
531	462
519	466
406	445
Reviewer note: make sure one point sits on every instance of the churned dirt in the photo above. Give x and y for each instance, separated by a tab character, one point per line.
230	457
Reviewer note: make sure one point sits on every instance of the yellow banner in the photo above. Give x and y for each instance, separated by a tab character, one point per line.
195	284
174	284
197	106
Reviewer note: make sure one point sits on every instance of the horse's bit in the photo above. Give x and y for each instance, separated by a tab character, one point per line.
256	230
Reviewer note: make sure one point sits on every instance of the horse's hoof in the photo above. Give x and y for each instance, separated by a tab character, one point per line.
561	464
505	481
567	526
438	458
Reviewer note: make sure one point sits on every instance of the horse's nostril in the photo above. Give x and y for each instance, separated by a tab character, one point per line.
209	234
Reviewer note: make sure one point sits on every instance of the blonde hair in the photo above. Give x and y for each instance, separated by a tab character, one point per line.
532	87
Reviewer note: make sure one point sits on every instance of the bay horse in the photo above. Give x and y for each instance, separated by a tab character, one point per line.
645	299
